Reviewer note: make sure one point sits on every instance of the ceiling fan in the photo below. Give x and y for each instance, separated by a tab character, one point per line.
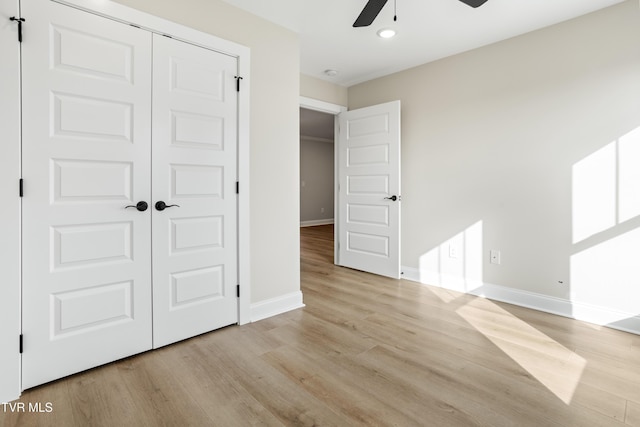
373	7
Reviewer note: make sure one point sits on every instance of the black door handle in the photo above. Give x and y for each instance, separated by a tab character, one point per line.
141	206
160	206
392	198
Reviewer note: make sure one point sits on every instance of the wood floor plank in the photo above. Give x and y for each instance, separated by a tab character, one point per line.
470	375
330	383
461	389
94	394
396	404
288	402
633	414
212	388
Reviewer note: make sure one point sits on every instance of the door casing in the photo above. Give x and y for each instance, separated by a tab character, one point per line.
10	213
334	109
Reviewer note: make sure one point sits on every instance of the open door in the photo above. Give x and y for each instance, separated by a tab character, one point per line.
369	189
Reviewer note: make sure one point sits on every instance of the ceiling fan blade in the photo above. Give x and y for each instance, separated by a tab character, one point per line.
474	3
369	13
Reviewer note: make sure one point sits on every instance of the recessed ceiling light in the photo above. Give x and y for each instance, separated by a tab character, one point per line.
331	73
386	33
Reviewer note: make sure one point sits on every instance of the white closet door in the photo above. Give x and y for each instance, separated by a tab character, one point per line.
194	167
87	122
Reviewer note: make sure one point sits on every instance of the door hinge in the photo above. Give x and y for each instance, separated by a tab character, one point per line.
238	78
21	187
237	187
238	291
21	345
19	21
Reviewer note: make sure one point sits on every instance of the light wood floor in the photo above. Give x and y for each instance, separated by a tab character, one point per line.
365	351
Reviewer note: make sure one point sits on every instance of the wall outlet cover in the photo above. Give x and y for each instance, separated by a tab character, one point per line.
494	256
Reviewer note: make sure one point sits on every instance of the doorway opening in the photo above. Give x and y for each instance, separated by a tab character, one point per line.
317	155
366	187
318	160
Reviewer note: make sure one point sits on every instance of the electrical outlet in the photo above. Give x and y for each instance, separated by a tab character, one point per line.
321	210
494	256
453	251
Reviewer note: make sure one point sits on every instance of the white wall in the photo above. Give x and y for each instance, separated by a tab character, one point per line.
315	88
493	157
275	82
316	178
319	195
10	212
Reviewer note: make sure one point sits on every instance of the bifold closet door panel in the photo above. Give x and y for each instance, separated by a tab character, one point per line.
86	151
194	173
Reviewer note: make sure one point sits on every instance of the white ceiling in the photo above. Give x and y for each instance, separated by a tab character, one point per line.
427	30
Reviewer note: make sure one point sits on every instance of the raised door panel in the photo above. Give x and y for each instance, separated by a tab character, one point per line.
194	167
86	145
90	181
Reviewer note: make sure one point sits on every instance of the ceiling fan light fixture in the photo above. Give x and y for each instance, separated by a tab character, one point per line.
386	33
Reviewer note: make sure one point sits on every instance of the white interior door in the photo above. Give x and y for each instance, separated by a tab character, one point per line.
86	145
369	189
194	172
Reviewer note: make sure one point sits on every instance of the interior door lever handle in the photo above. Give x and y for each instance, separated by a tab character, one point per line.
141	206
393	198
160	205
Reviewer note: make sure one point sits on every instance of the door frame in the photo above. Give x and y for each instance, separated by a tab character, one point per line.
10	116
186	34
333	109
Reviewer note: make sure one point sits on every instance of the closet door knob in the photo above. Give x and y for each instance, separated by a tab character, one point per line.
141	206
160	206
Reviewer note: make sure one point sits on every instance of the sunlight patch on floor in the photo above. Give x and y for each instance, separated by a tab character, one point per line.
555	366
445	295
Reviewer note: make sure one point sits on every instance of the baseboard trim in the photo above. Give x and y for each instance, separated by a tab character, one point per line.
274	306
603	316
315	222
